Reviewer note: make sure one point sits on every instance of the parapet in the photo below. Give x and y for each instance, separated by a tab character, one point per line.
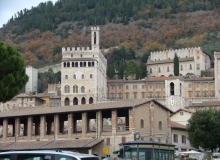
68	49
169	54
95	28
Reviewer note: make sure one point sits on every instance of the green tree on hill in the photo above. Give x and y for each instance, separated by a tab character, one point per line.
13	77
176	65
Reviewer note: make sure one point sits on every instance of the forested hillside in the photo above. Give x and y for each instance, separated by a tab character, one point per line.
140	26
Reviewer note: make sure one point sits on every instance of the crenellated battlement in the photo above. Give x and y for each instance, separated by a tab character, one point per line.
169	54
95	28
69	49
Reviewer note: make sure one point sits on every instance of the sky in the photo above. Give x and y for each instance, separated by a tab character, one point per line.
9	7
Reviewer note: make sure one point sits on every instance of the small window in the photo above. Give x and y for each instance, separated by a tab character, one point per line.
66	76
135	95
113	87
127	95
168	69
160	125
142	86
142	123
189	85
143	94
197	66
183	139
159	69
175	138
74	76
127	87
150	70
90	75
134	86
190	66
181	113
82	76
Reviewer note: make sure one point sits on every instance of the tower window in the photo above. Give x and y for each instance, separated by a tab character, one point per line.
90	75
94	37
82	76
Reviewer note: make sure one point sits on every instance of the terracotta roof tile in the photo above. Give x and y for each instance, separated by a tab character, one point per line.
177	125
206	104
80	143
87	107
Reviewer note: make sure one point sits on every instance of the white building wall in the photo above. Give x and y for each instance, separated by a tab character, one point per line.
188	56
95	87
31	85
217	74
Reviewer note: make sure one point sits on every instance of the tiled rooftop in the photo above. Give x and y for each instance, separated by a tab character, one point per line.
177	125
66	109
80	143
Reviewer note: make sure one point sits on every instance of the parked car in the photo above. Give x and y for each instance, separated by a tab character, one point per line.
45	155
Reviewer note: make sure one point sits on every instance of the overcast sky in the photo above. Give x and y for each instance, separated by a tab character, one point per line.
9	7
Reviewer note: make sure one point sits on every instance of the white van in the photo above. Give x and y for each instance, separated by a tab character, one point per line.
45	155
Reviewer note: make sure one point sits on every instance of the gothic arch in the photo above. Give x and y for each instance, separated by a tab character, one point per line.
90	100
75	101
67	101
83	101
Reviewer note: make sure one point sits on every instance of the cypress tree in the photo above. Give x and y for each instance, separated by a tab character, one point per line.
176	65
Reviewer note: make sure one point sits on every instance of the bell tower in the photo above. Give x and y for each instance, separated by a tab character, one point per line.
95	39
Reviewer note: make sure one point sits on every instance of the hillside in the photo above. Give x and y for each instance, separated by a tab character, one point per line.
138	25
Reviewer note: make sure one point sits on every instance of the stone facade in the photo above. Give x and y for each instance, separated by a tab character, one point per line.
31	85
83	73
173	92
191	61
217	73
43	124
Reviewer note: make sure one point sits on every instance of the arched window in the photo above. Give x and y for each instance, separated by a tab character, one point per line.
83	101
90	100
68	64
81	64
67	89
171	88
84	64
67	102
142	123
89	64
74	76
160	125
82	89
82	76
190	66
75	89
93	64
76	64
75	101
66	76
90	75
73	64
64	64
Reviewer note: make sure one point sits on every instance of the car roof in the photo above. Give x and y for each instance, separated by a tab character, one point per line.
59	152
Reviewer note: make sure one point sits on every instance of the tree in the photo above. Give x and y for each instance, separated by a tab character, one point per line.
131	69
203	129
176	65
12	77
